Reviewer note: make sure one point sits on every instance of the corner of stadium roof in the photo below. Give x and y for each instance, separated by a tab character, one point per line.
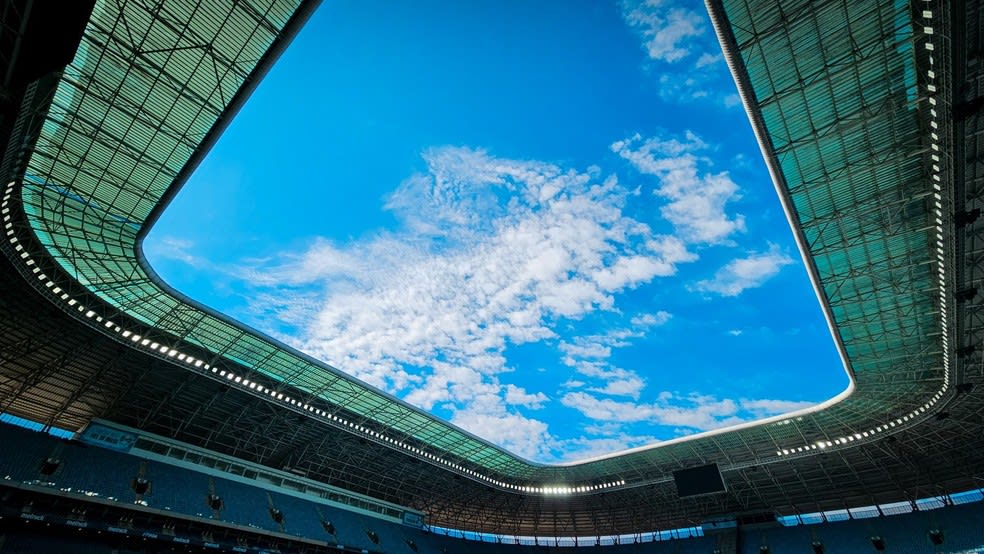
849	103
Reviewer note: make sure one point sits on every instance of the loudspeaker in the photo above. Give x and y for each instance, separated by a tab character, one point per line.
140	485
49	466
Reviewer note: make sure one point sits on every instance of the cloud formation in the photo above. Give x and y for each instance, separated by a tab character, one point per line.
677	40
690	412
491	253
494	253
177	249
696	198
749	272
665	28
589	356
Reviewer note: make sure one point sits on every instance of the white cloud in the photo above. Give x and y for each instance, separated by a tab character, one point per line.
745	273
176	249
693	411
582	348
491	253
687	57
601	440
589	357
321	260
518	396
696	198
708	59
705	85
650	320
630	386
524	436
764	407
494	253
666	29
684	87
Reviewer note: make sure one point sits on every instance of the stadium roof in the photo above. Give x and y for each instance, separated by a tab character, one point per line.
852	104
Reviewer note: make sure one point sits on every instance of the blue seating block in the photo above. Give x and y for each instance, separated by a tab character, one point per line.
184	490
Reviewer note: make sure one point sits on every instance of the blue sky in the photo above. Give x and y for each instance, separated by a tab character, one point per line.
547	222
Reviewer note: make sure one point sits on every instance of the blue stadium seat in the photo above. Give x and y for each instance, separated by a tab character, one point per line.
99	470
902	534
350	528
23	462
244	504
300	516
177	489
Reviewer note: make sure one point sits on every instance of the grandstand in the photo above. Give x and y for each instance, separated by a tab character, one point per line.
193	430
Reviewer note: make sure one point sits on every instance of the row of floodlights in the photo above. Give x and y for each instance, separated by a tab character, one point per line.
174	354
937	181
822	444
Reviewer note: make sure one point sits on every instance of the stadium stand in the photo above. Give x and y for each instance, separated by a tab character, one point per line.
904	533
244	505
94	469
91	470
23	463
87	471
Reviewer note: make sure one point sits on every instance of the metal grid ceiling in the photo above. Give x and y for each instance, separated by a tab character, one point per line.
838	94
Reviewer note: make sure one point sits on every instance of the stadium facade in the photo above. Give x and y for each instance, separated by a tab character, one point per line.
868	115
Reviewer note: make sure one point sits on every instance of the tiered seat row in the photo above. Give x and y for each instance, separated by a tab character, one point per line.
182	489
